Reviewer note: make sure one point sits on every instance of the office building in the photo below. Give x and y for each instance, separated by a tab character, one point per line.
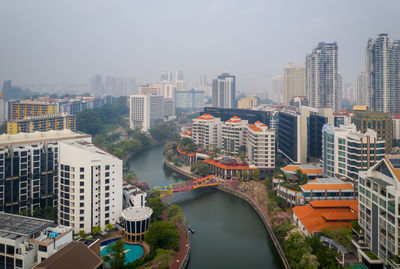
42	123
180	85
18	110
248	102
29	169
300	132
361	89
298	101
168	90
277	89
145	111
150	89
380	122
26	241
120	86
378	196
260	143
189	99
346	151
383	76
179	75
294	82
234	134
224	91
90	186
207	131
322	76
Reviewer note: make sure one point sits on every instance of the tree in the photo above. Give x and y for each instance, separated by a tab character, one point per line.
81	234
174	210
325	256
256	174
96	230
109	226
24	212
117	257
341	235
157	205
162	235
37	212
201	168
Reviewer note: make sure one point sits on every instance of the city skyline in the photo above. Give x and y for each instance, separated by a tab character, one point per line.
58	46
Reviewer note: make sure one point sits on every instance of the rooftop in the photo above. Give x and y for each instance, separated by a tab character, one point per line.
229	165
308	169
15	226
331	183
137	213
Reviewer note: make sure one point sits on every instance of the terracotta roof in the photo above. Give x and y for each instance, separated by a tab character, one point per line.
396	116
234	119
73	255
228	167
205	117
190	154
308	171
317	218
353	204
344	186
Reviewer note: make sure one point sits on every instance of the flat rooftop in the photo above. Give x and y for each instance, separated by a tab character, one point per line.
16	226
137	213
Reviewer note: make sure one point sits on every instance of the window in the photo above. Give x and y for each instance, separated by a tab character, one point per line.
2	248
82	169
81	183
107	208
81	225
81	204
42	248
107	201
81	176
81	219
81	211
107	167
18	263
82	197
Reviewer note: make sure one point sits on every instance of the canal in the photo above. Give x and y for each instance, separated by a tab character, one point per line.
229	233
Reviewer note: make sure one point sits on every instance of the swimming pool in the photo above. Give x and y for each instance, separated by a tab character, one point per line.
133	252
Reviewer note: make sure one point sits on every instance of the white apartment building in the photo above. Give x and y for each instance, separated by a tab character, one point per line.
346	151
145	111
378	215
168	89
133	196
260	145
396	126
151	89
207	131
90	186
234	134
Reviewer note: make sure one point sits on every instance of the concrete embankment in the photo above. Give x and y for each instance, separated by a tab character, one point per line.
252	203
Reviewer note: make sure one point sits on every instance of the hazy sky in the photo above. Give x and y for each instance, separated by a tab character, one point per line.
53	41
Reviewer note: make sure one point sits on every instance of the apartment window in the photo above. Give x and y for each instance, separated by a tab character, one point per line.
107	215
107	208
107	167
81	211
107	188
82	190
2	248
81	176
82	197
81	219
42	248
107	201
107	174
81	183
82	169
81	204
107	194
81	225
18	263
107	180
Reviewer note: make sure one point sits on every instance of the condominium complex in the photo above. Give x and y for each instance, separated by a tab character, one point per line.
189	99
18	110
378	197
90	186
249	102
207	131
322	75
383	76
346	151
42	123
234	134
294	82
300	132
260	143
224	91
29	169
380	122
145	111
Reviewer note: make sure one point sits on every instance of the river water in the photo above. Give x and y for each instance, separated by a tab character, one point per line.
229	233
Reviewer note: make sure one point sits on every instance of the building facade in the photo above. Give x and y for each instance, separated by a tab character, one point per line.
260	143
42	123
361	89
383	74
90	186
18	110
233	134
322	76
294	82
189	99
224	91
207	131
249	102
145	111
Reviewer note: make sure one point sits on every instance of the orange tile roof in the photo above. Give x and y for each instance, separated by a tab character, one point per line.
190	154
205	117
228	167
353	204
316	219
234	119
294	168
343	186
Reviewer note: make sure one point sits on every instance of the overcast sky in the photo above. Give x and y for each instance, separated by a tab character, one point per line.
54	41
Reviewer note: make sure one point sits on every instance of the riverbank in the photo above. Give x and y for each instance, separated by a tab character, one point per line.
252	202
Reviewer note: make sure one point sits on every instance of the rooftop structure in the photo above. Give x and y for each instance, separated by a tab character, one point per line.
312	171
137	213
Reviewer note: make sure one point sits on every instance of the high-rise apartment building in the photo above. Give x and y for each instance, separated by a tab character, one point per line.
322	76
18	110
248	102
189	99
166	75
179	75
42	123
145	111
224	91
207	131
151	89
234	134
276	94
361	89
378	215
3	110
260	143
168	89
383	74
90	186
380	122
29	169
294	82
346	151
97	86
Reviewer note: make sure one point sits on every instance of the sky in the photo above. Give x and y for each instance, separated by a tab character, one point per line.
65	41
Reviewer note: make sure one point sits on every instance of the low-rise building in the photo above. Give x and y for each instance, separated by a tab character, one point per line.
132	196
228	168
312	171
317	215
26	241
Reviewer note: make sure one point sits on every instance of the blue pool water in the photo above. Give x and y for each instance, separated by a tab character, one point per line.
133	252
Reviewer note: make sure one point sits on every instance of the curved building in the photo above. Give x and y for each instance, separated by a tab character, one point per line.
136	223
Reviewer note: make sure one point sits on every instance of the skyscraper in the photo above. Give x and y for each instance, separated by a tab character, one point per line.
277	94
224	91
361	88
96	85
179	75
383	74
166	75
294	82
145	111
322	76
